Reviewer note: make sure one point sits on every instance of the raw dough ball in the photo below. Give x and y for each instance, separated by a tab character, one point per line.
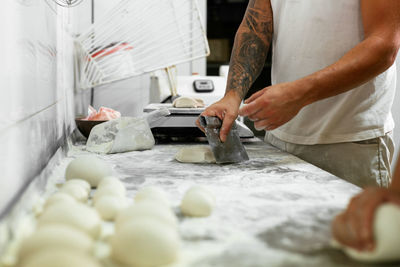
198	202
59	197
111	181
75	215
108	190
89	168
80	182
55	236
146	209
188	102
60	257
152	193
145	242
76	191
109	206
195	154
387	232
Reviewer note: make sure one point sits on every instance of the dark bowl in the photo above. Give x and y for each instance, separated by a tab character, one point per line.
85	126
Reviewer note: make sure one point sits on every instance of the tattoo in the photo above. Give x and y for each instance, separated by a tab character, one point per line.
251	46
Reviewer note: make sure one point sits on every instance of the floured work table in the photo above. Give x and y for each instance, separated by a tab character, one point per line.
273	210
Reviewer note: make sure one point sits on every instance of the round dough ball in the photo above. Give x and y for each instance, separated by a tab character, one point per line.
145	242
113	182
76	191
109	206
60	257
55	236
108	190
152	193
75	215
89	168
59	197
198	202
146	209
195	154
387	232
80	182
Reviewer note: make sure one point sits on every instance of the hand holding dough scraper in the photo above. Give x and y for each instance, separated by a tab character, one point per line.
230	151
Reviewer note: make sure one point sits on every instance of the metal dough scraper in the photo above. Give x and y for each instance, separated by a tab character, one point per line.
232	150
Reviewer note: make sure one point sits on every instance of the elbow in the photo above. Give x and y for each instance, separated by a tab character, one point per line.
387	52
391	54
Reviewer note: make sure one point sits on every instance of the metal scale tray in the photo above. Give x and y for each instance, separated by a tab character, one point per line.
182	122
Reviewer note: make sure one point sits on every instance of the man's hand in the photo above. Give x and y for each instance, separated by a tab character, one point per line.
273	106
354	227
226	110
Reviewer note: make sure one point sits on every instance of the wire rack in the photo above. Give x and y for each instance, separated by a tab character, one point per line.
140	36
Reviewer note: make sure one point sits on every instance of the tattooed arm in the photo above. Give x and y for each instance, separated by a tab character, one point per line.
249	53
251	46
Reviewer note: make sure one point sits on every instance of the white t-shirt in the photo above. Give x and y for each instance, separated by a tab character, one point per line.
310	35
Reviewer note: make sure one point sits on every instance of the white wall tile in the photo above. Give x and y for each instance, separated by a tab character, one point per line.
36	91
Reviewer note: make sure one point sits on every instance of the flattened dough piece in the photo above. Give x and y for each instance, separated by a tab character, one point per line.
188	102
386	231
195	154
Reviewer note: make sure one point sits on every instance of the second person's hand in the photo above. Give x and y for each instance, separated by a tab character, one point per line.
226	110
354	227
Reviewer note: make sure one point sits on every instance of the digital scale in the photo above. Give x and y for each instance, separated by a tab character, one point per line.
182	122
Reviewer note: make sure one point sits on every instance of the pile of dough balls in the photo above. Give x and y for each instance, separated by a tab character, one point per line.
66	230
68	226
146	233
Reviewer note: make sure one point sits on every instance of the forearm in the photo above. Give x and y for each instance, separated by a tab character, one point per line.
364	62
250	47
395	185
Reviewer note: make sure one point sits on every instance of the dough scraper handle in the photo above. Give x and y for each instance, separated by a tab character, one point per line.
230	151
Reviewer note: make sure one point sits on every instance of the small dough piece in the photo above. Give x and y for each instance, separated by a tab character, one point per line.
60	257
75	215
80	182
108	190
88	168
145	242
387	232
76	191
55	236
146	209
152	193
188	102
59	197
112	182
198	202
195	154
109	206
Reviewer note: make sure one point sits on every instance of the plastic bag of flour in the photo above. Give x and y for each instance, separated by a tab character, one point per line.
124	134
